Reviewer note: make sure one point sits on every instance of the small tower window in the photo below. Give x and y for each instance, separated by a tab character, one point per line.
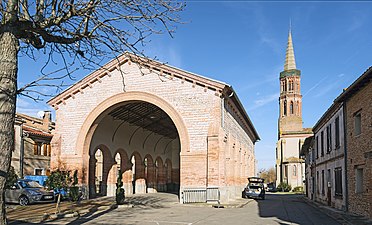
291	108
291	85
285	108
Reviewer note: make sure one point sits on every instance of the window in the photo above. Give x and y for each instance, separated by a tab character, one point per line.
45	149
285	108
285	171
291	108
337	134
285	85
338	181
294	170
42	149
282	86
322	143
359	180
38	172
317	146
49	150
329	138
323	190
357	124
317	182
37	148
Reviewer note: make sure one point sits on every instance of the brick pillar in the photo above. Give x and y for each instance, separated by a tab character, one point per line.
92	181
213	161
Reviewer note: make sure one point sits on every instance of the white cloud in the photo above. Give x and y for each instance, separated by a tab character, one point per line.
264	101
30	107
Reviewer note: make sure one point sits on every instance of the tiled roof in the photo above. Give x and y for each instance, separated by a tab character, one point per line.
36	132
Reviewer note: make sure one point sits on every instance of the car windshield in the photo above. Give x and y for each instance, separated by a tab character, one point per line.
29	184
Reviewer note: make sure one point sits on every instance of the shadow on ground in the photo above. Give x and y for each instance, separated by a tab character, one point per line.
90	209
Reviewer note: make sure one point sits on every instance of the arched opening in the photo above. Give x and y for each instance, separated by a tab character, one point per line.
98	156
160	175
285	108
100	165
146	132
291	108
149	173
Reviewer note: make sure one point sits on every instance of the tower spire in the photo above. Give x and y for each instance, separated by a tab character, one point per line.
290	62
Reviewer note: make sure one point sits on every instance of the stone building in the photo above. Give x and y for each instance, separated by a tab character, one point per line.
290	167
308	154
357	100
32	151
163	128
329	146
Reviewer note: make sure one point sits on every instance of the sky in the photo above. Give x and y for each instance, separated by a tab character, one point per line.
243	43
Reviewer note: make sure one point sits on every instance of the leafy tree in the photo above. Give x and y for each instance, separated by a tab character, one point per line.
58	180
86	32
12	177
120	192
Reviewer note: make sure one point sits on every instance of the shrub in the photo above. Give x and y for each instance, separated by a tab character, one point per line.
284	187
11	178
298	189
74	190
120	193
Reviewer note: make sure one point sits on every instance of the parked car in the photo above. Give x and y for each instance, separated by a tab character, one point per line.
26	191
255	188
271	187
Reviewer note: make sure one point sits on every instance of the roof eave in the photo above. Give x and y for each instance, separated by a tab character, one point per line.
235	97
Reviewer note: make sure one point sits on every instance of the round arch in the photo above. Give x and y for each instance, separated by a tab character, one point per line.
96	115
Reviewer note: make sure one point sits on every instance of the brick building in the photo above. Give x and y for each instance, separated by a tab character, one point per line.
163	128
357	100
290	168
32	149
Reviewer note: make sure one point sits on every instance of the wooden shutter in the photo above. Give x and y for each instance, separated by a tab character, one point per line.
35	148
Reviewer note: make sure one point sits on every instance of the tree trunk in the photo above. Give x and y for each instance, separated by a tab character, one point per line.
9	46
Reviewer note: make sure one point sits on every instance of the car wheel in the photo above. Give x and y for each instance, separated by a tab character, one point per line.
23	200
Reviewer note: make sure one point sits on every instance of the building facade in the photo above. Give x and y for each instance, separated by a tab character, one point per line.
329	145
357	100
31	155
163	128
290	168
339	158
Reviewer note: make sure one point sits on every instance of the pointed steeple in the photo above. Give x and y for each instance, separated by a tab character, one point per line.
290	62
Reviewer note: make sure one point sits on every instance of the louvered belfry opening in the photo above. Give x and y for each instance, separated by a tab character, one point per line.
147	116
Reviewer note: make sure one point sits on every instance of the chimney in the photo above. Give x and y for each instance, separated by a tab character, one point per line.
47	120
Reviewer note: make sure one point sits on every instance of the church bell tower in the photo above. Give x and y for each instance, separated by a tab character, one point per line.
290	100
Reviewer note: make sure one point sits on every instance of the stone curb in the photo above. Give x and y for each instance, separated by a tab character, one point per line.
334	215
236	205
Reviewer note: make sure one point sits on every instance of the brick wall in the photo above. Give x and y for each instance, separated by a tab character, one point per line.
200	110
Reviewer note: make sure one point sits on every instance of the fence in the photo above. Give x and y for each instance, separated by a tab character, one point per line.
200	195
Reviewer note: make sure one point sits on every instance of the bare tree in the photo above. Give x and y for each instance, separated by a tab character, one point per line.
85	32
268	174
